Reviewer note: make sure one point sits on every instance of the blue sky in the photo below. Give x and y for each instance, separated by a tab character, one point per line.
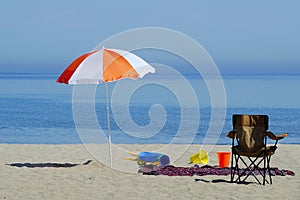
250	37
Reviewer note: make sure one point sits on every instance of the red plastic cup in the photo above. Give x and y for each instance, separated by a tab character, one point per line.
224	159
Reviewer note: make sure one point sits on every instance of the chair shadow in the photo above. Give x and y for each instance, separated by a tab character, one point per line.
222	181
43	165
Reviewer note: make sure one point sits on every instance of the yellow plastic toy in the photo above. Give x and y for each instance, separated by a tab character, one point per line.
201	157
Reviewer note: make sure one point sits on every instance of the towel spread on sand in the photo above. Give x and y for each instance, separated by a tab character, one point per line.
204	170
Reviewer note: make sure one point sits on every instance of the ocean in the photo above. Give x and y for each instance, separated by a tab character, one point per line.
164	109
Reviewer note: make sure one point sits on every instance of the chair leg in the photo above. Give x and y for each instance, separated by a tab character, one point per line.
234	168
231	169
269	169
238	157
264	175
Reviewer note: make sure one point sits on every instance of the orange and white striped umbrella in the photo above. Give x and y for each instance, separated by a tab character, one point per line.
105	65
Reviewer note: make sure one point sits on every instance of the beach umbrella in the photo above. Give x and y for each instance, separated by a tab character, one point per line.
105	65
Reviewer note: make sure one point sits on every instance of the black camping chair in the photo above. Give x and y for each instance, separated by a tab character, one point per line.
249	148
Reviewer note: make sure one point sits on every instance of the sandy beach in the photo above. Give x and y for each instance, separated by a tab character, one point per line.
59	172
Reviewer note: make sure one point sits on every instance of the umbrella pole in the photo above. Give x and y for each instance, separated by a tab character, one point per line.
108	125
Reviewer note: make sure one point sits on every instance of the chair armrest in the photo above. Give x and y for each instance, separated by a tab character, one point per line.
231	134
274	137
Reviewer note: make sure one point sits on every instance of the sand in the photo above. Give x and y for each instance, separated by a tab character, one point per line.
36	177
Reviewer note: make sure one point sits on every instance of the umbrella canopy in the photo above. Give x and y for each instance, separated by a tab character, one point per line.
105	65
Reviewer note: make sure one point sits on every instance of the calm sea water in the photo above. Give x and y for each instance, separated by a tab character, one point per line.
36	109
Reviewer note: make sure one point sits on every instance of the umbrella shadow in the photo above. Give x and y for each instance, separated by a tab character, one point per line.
43	165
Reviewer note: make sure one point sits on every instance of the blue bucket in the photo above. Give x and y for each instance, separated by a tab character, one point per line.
163	160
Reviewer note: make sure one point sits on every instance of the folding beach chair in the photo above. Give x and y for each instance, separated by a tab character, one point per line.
249	148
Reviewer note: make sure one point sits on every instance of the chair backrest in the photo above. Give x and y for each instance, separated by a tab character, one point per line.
251	131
